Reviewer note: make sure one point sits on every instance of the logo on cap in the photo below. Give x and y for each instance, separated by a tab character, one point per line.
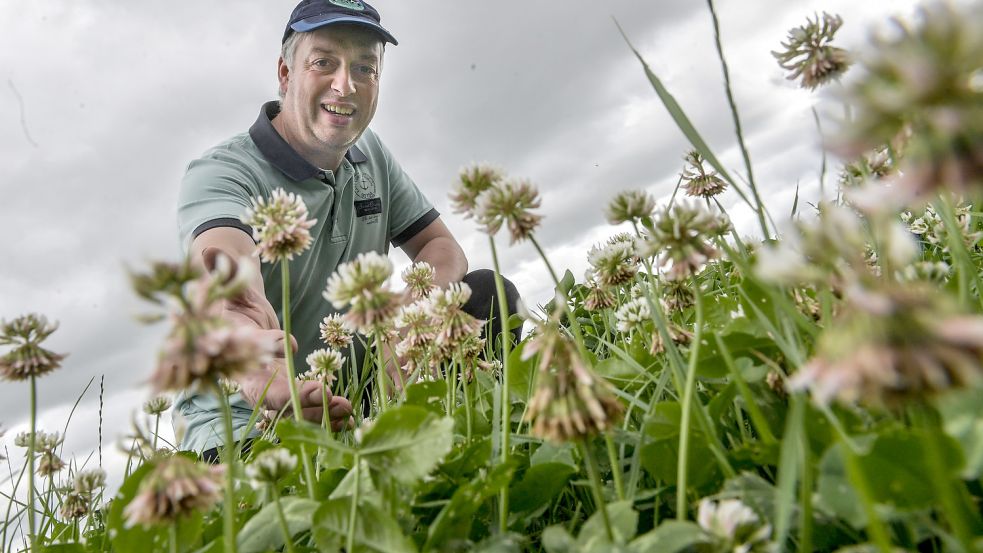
350	4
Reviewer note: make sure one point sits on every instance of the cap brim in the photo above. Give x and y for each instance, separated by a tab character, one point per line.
311	23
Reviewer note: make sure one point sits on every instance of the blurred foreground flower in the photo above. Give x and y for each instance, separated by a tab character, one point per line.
697	181
509	203
157	405
280	226
924	79
361	286
570	402
894	345
271	466
807	52
176	487
681	236
735	526
26	358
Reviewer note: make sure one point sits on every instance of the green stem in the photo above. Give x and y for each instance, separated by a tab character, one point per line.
595	484
855	473
467	409
506	414
613	458
30	463
689	387
805	494
288	355
757	417
760	211
939	474
229	504
287	538
172	537
353	512
381	373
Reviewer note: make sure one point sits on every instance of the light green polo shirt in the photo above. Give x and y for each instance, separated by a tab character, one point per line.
368	203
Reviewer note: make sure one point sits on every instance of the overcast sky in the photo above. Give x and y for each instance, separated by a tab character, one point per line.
103	103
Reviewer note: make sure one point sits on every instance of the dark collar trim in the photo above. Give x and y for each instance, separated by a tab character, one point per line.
276	150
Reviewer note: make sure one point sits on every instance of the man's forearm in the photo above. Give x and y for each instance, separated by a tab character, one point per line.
447	258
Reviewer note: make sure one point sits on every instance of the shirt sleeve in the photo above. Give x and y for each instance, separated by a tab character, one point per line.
215	192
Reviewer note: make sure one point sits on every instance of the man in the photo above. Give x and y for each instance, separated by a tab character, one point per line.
315	143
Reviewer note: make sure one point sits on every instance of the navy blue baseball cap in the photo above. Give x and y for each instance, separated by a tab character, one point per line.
314	14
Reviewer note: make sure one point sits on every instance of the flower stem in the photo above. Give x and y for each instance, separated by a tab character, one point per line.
229	516
615	467
875	527
172	537
353	512
688	388
288	355
595	484
506	422
156	429
30	463
287	538
381	372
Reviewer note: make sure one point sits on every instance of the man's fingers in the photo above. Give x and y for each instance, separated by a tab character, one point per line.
339	409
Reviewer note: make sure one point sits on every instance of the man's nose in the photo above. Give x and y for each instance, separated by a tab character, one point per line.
342	82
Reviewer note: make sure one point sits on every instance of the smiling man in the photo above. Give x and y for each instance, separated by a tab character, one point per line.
314	142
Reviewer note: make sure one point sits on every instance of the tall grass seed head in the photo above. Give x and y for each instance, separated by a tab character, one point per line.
419	279
697	181
629	206
281	226
509	203
175	487
923	82
472	181
271	466
335	332
26	358
157	405
808	55
681	237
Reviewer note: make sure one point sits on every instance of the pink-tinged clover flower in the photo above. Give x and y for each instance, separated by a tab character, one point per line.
176	487
509	203
697	181
808	54
26	358
281	226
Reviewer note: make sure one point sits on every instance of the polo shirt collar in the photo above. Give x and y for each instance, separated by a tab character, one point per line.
276	150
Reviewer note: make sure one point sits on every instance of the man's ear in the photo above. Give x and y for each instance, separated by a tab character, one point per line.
282	75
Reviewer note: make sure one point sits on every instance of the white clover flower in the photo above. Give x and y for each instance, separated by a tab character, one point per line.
335	332
177	486
632	314
419	279
280	226
157	405
629	205
271	466
88	482
681	236
27	359
809	55
324	364
509	203
734	524
613	264
365	275
228	386
453	323
697	181
471	182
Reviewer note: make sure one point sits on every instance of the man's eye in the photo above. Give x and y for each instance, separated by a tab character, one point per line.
320	63
366	69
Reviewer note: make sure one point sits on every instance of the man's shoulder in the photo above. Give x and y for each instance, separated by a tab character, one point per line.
239	145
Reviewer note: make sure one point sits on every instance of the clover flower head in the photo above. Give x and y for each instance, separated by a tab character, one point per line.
697	181
44	441
200	352
472	181
677	295
734	525
324	365
164	277
175	487
89	481
629	206
681	236
598	297
49	463
892	346
446	308
677	334
27	359
281	226
271	466
157	405
808	54
419	279
613	264
335	332
364	275
632	314
510	203
929	271
922	87
74	506
228	386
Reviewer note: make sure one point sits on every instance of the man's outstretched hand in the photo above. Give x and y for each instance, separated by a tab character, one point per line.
309	393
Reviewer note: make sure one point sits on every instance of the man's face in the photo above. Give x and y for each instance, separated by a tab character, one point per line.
332	88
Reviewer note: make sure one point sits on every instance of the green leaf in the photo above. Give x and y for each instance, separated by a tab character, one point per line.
429	394
624	524
520	373
454	520
672	536
500	543
567	282
135	539
660	455
406	443
896	469
292	431
962	419
711	363
549	452
539	485
375	530
262	532
62	548
834	491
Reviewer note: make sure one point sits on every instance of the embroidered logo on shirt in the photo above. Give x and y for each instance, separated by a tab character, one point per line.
368	207
364	186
